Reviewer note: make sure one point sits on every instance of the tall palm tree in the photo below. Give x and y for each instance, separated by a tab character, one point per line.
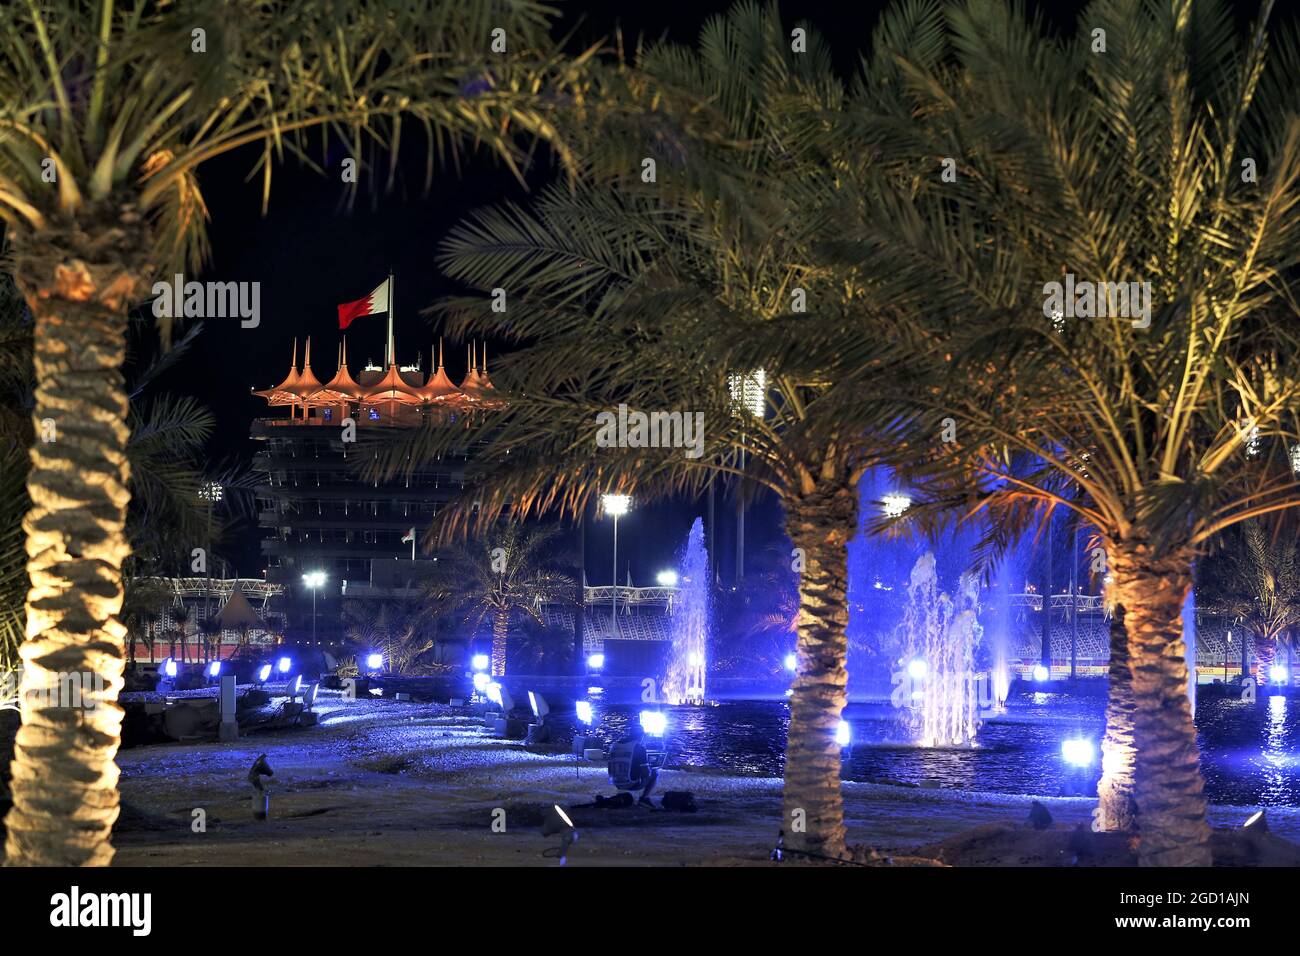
107	112
665	297
1255	577
15	437
1170	159
512	573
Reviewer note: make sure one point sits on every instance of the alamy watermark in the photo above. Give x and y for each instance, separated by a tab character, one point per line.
1098	300
983	688
66	690
208	300
631	429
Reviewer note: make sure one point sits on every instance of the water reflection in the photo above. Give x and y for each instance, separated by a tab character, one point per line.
1248	748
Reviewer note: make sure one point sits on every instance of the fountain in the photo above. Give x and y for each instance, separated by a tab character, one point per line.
944	634
688	658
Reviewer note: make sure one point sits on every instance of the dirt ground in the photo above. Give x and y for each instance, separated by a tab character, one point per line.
386	783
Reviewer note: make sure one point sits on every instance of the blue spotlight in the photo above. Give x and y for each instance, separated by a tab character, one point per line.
843	734
654	722
479	662
791	662
374	661
583	709
169	668
917	669
284	665
1078	752
1041	673
481	681
214	669
264	673
1278	674
596	661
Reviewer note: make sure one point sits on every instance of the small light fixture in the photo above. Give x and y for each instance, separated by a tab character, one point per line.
667	579
479	662
1278	674
654	722
791	662
1078	752
917	669
556	822
843	734
583	710
596	661
284	665
537	703
1041	673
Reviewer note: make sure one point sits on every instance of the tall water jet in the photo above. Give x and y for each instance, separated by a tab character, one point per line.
943	636
688	657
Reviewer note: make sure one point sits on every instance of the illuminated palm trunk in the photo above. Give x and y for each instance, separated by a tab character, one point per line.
500	634
1168	788
1117	808
1265	656
819	525
64	783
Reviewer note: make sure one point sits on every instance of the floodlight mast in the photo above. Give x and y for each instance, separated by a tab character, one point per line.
615	506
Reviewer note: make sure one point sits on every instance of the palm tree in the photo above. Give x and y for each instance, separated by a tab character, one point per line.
143	603
400	630
181	615
512	574
665	297
107	113
1254	577
15	437
1172	159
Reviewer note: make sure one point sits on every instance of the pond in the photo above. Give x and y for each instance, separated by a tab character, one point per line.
1249	749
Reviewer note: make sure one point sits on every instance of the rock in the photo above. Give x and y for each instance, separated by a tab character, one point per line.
682	801
929	783
1039	818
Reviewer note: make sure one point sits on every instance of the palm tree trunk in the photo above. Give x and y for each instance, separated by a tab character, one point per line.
1151	587
820	526
1117	808
64	785
1265	655
500	632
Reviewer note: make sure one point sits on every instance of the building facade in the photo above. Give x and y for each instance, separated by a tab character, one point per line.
320	514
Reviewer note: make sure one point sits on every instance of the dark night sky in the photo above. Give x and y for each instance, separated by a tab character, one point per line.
309	255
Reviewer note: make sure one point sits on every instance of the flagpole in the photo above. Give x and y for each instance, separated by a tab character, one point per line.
392	359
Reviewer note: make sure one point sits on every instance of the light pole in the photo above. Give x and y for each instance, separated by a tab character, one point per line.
1074	608
313	580
615	506
212	492
748	394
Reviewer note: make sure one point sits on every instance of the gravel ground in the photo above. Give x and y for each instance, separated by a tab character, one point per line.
386	783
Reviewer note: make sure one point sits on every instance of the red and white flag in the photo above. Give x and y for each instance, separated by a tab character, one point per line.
409	536
372	304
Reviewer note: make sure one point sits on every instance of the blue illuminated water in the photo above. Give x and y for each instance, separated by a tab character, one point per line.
1250	751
